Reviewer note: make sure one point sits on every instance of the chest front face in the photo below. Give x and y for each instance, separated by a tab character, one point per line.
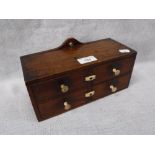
75	74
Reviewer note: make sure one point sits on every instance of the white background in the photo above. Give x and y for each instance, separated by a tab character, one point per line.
72	10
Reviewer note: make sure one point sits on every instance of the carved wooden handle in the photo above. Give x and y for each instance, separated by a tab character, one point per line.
70	42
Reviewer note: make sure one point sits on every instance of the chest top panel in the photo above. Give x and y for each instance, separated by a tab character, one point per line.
64	58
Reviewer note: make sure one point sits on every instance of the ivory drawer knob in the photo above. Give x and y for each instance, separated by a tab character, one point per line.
113	88
116	71
67	106
64	88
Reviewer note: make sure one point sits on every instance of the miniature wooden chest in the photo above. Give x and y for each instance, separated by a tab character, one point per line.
75	74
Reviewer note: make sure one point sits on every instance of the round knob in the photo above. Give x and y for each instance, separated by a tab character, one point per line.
64	88
71	44
116	71
67	106
113	88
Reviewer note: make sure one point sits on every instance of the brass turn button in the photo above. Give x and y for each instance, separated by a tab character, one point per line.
89	94
113	88
116	71
90	78
64	88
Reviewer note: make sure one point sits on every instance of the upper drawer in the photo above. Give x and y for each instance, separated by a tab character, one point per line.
60	86
113	69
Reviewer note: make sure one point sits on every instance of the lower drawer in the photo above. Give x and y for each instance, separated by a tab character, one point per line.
50	108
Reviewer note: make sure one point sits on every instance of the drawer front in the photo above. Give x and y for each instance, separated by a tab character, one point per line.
82	79
59	105
52	107
114	69
59	87
109	87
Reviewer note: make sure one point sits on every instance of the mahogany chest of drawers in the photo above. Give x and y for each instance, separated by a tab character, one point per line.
75	74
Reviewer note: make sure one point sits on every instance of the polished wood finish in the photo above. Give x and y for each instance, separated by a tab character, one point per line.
46	72
55	106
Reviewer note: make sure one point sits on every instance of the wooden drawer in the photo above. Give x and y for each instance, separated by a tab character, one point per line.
49	108
53	107
113	69
51	89
111	86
